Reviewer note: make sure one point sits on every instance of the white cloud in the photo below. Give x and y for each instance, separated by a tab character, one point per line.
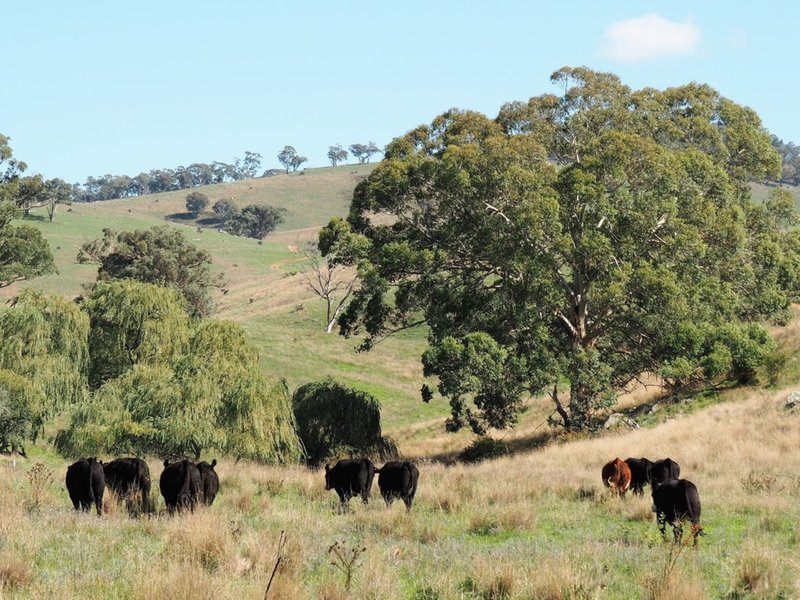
649	36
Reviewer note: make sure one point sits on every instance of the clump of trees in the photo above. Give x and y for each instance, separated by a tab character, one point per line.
575	241
790	160
254	221
24	253
160	255
334	421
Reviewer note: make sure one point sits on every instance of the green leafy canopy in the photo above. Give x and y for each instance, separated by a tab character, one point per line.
587	237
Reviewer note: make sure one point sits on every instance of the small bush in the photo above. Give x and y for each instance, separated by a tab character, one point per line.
760	482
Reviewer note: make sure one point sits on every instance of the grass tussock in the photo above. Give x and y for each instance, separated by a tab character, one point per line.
14	573
671	578
759	575
560	578
180	581
200	539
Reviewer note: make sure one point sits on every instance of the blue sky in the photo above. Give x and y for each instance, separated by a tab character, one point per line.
94	88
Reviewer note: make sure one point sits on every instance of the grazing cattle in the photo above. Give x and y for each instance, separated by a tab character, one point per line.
350	477
676	500
129	477
640	473
180	485
86	483
209	481
398	479
664	469
617	476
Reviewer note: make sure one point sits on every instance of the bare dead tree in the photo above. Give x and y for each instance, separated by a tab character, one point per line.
333	283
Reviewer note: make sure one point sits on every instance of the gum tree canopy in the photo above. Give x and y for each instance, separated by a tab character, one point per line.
586	237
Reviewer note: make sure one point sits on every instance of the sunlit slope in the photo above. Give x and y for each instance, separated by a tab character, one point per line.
264	289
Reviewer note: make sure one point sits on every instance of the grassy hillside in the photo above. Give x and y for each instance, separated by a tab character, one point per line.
265	292
267	295
536	525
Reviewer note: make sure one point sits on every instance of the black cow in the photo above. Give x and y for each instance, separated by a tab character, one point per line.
676	500
180	485
350	477
129	477
86	483
398	479
209	481
640	473
664	469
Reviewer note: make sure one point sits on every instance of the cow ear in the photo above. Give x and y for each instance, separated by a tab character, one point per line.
214	463
166	462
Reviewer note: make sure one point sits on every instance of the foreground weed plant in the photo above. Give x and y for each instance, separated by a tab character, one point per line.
40	480
346	560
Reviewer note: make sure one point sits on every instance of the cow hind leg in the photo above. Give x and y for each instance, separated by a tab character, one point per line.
408	500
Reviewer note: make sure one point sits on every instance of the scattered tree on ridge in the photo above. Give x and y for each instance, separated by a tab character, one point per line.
363	152
288	157
160	255
586	237
336	154
249	166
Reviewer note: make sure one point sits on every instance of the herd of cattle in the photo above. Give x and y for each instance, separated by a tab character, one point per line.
674	499
184	484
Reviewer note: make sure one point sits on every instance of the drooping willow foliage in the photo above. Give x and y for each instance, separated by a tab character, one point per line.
45	342
205	395
133	323
335	421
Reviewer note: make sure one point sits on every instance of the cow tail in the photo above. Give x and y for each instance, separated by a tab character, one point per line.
91	462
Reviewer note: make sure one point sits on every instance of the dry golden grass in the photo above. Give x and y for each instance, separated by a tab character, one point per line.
531	525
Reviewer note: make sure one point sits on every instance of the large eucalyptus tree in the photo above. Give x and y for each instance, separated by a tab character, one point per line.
577	240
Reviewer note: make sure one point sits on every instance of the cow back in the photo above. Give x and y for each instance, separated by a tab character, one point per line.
351	476
664	470
209	481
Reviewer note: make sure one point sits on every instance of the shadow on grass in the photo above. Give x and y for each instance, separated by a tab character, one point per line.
180	217
30	217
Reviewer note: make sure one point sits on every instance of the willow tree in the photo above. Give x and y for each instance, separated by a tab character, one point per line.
45	341
333	420
580	240
196	391
133	323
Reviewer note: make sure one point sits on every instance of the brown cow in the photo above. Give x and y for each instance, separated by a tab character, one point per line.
617	476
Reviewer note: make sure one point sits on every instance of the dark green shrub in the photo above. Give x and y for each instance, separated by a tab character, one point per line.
334	421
